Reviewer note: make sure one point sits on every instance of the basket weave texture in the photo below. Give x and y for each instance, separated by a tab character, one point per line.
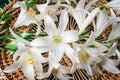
6	58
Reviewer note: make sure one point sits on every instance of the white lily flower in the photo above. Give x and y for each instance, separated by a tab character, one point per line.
81	5
114	4
107	64
22	43
114	34
56	69
27	56
27	64
30	59
88	20
103	21
25	17
80	14
87	55
51	10
58	38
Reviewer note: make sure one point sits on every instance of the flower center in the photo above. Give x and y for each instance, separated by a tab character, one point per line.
29	61
49	12
31	13
83	55
54	70
57	38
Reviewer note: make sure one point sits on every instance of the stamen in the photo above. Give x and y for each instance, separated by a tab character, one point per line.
84	55
54	70
57	38
31	13
29	61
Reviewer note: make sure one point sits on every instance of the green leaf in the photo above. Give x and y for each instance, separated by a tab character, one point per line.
6	37
5	30
42	34
53	1
11	47
27	35
30	3
119	45
0	15
5	17
1	24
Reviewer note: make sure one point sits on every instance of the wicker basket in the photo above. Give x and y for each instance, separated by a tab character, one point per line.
6	58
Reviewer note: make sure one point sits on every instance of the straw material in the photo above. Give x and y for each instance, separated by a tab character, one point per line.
6	58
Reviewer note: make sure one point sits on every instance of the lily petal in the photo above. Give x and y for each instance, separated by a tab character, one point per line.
113	2
87	67
28	71
38	66
22	5
69	36
42	49
47	74
101	19
79	16
114	62
38	42
111	68
19	38
80	4
20	50
74	67
100	47
91	40
50	26
37	54
63	21
112	49
95	69
41	7
12	67
115	32
62	76
89	19
70	53
88	6
58	51
93	56
64	69
118	53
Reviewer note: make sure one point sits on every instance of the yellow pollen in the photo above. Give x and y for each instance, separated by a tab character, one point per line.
31	13
54	70
83	55
57	38
29	61
49	12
